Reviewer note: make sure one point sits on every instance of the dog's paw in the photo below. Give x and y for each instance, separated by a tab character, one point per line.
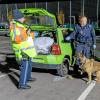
70	77
97	80
81	72
88	82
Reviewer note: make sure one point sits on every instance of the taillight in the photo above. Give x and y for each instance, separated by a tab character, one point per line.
56	49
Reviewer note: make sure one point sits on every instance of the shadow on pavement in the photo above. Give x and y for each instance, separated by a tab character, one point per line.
13	80
11	62
50	71
6	68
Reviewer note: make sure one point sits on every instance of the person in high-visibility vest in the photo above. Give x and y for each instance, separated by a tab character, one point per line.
60	17
23	47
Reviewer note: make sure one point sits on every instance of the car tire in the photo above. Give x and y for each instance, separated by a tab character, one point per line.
63	68
7	35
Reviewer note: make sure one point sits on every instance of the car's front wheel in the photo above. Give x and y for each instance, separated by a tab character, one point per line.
63	68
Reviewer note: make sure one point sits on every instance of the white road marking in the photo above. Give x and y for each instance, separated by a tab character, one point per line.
87	91
5	74
58	78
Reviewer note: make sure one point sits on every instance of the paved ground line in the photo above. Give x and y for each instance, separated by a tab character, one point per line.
58	78
5	74
87	91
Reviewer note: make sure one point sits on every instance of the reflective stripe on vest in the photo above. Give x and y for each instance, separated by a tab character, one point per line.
18	38
22	36
27	48
30	47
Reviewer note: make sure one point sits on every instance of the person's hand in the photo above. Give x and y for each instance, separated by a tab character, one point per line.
67	38
94	46
36	33
28	31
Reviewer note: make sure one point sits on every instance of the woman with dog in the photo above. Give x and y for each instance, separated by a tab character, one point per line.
85	39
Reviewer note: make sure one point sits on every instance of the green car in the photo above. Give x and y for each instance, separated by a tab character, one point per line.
60	53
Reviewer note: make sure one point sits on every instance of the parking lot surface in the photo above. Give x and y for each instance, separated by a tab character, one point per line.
47	86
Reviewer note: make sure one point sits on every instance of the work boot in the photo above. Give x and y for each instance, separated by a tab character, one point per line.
24	87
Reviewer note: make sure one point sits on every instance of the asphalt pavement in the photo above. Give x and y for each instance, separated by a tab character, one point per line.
47	86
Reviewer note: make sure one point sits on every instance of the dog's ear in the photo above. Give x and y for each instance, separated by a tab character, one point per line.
77	55
80	54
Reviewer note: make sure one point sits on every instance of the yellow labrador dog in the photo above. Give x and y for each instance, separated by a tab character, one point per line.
90	66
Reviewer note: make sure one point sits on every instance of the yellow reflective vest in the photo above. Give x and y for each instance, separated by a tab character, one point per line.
22	43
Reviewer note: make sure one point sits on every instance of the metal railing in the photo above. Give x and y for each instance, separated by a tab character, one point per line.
82	10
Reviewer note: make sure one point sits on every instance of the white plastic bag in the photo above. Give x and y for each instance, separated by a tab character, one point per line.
43	44
30	41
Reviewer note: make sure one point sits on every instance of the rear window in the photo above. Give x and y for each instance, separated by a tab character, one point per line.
39	20
51	34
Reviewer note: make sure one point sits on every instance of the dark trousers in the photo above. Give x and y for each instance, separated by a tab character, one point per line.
25	74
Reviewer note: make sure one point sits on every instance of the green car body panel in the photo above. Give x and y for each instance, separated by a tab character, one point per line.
66	49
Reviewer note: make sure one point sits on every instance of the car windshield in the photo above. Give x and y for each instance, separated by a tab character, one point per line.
40	20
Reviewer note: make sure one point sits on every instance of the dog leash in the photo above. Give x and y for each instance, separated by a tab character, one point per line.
94	53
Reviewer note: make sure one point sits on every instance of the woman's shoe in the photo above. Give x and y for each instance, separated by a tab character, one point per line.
24	87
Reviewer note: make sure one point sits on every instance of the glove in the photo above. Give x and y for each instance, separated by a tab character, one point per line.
36	33
67	38
94	46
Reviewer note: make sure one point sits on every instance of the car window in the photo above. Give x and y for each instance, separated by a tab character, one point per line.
51	34
39	20
2	26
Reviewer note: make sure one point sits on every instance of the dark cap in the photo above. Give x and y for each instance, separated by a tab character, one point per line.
17	14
